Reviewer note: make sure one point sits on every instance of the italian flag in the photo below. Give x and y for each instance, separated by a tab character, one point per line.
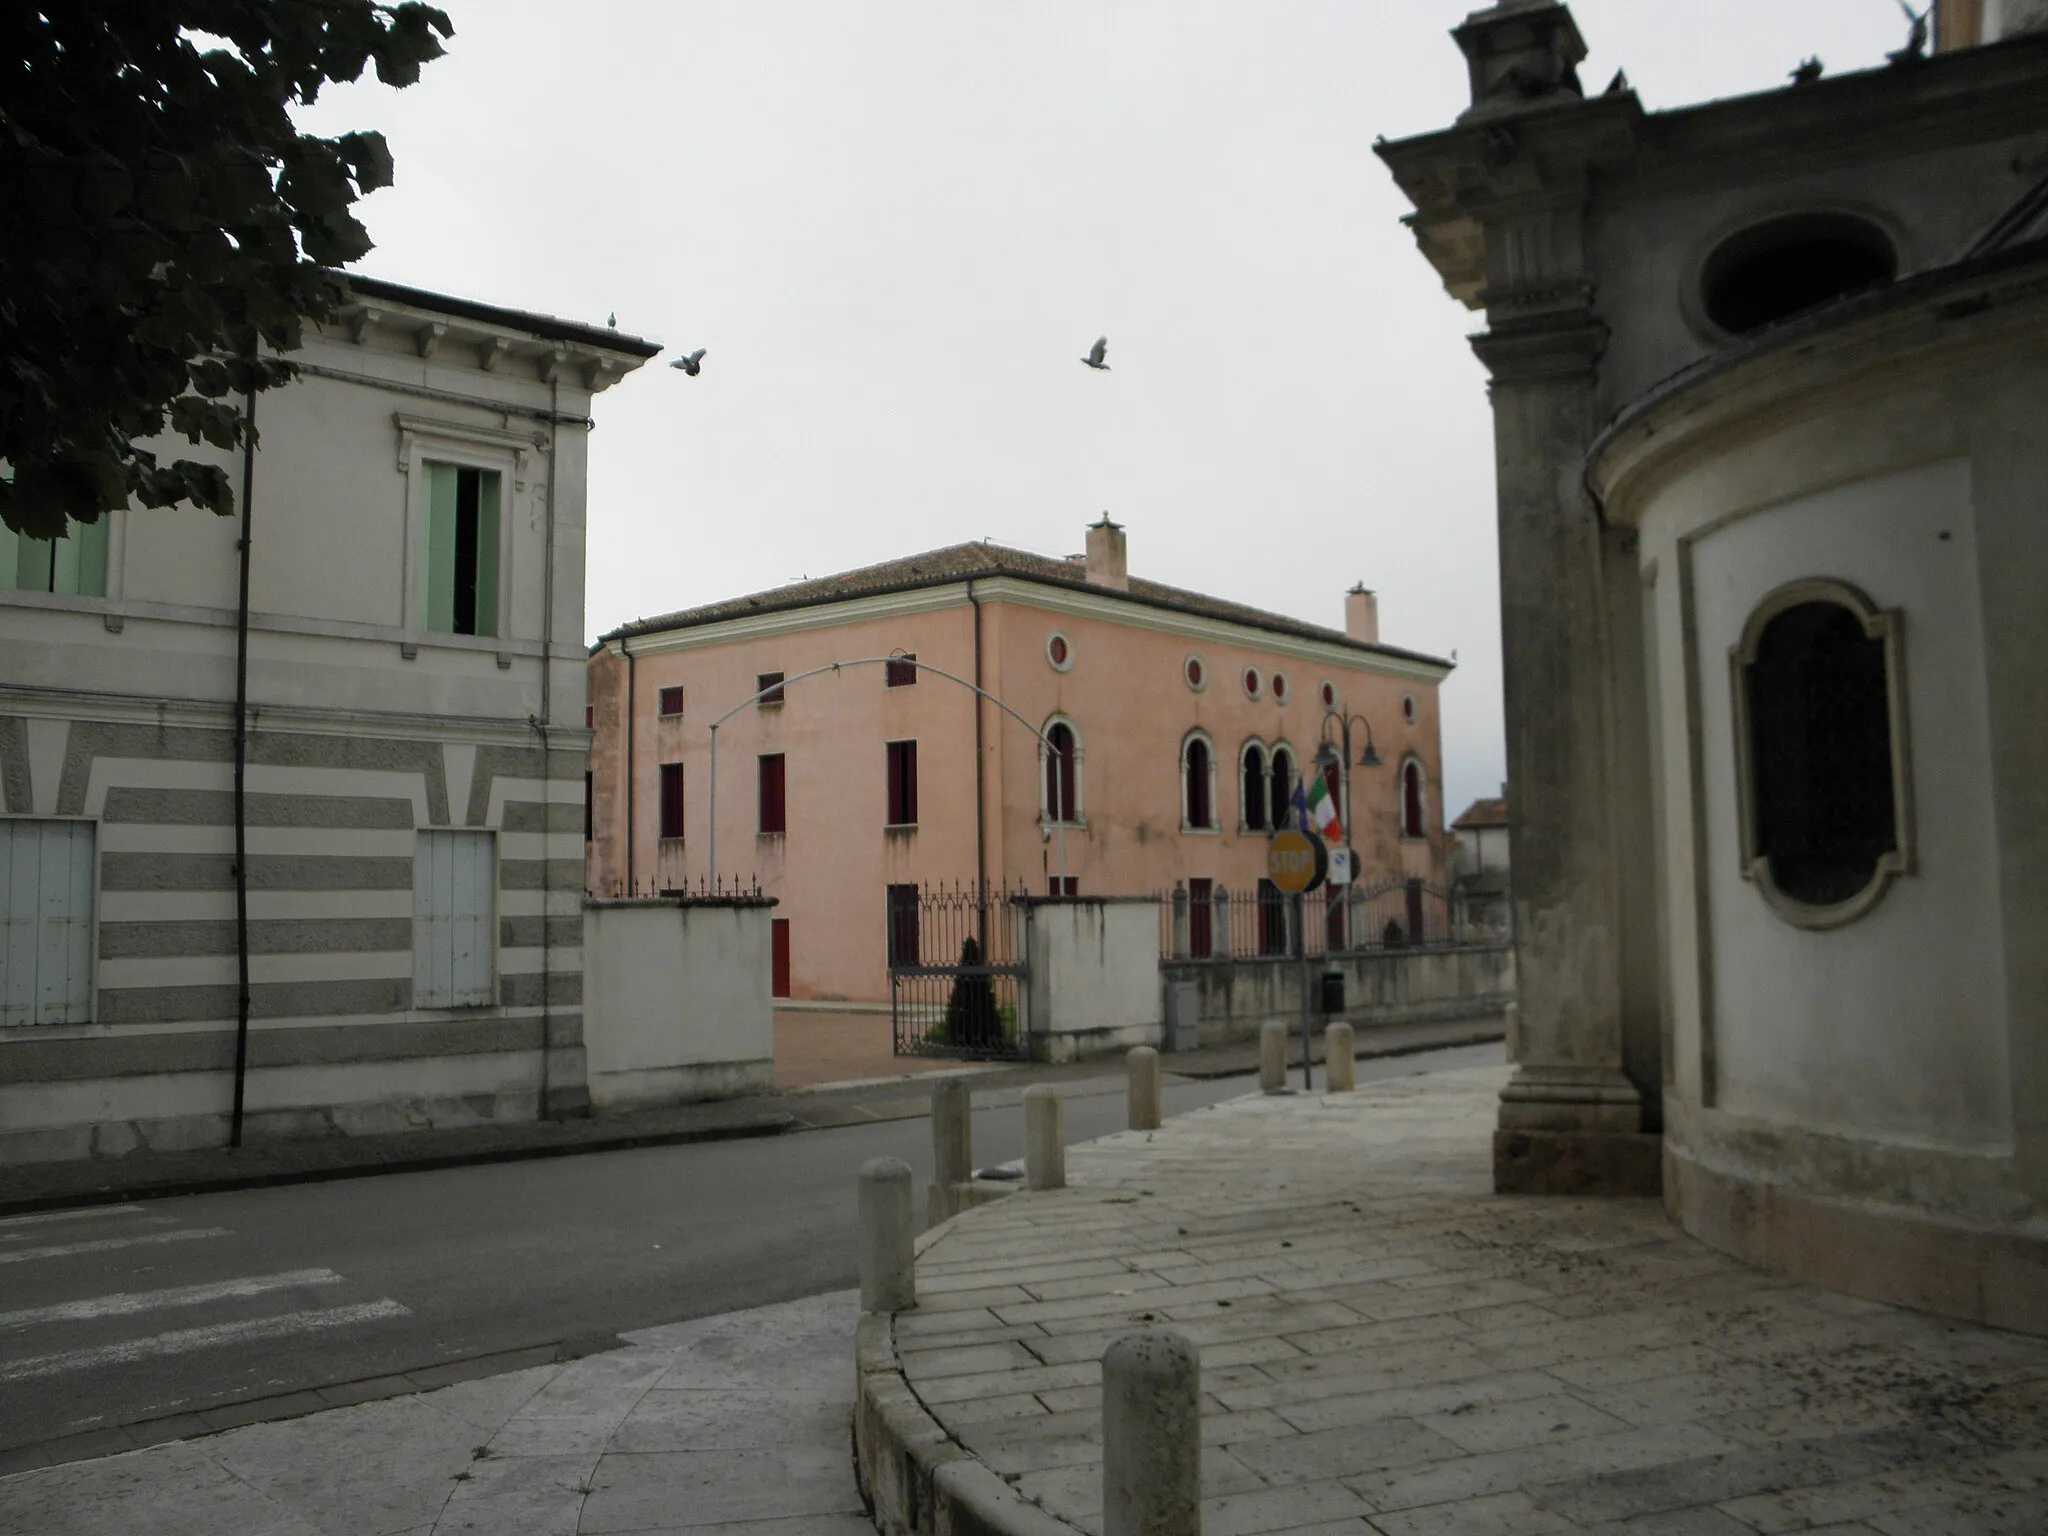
1320	811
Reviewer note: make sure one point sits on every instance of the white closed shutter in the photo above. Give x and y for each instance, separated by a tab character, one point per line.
45	922
455	914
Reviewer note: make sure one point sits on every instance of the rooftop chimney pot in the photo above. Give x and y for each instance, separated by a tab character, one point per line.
1362	614
1107	563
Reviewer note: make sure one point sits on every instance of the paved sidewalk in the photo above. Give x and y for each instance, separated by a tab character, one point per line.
30	1187
1389	1347
718	1427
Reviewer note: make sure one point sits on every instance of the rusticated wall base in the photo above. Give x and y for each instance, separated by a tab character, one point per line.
1529	1162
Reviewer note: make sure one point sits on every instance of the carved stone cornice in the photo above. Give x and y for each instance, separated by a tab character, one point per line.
1560	346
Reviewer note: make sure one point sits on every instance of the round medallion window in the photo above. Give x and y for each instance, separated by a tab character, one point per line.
1279	687
1254	685
1196	674
1408	707
1059	650
1329	695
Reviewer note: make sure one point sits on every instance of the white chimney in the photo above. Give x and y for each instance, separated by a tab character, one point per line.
1107	565
1362	614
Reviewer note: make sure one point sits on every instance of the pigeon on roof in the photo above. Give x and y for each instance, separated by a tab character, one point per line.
1808	71
1096	353
691	363
612	320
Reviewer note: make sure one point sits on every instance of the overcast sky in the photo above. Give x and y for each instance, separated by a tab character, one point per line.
895	226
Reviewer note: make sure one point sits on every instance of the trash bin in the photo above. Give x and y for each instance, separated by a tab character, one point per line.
1333	991
1183	1014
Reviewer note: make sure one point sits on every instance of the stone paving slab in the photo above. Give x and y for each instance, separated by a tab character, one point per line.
1390	1347
727	1424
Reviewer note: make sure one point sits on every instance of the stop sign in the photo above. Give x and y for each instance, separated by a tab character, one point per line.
1296	862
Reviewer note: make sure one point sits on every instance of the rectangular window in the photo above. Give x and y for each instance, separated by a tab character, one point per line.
774	812
901	671
778	957
769	686
455	919
1201	918
459	551
903	934
46	943
671	702
1063	885
671	799
902	783
589	807
73	566
589	717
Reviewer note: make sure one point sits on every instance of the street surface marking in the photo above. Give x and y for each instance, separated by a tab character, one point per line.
106	1244
179	1296
43	1216
185	1340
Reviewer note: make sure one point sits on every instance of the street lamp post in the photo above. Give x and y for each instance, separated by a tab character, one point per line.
1328	754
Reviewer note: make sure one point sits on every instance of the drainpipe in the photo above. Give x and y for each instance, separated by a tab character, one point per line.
241	776
980	837
547	715
626	650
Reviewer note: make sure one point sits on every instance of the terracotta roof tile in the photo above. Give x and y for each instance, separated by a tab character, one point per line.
1484	813
961	562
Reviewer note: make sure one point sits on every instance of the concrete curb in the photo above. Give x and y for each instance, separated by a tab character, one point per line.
916	1477
423	1162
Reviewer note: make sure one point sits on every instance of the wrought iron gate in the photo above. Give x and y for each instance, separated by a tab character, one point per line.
956	972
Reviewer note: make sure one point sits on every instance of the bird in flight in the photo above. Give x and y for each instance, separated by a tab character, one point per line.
1096	353
691	363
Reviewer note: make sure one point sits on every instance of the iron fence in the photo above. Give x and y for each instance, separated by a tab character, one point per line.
1201	921
956	971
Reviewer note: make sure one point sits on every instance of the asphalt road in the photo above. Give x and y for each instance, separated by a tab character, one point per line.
122	1314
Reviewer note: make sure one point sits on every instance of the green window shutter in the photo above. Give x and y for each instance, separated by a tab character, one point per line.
91	539
32	565
487	553
437	551
10	548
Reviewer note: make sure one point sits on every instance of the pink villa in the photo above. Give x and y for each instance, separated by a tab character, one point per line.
1156	733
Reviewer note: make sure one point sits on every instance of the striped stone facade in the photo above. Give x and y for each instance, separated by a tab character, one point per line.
364	732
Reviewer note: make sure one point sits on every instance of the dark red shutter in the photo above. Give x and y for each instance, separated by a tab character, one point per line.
671	701
901	672
1198	784
778	957
774	814
769	686
902	783
1201	918
671	799
1411	800
903	916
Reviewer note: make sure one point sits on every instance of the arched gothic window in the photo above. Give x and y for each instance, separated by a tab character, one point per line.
1413	821
1061	755
1820	744
1282	781
1252	787
1197	784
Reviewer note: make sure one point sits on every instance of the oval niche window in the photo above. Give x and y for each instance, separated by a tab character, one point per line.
1821	753
1778	268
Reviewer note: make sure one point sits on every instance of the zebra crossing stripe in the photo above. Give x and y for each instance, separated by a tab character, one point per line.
186	1340
42	1218
129	1302
108	1244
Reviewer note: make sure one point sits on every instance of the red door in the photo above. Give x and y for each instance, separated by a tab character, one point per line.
778	957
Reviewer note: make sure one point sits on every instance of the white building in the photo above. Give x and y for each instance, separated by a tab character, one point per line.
1769	382
415	750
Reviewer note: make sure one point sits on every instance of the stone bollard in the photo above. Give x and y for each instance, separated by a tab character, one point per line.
952	1147
1339	1047
1273	1056
1045	1147
1511	1021
888	1275
1152	1435
1146	1110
